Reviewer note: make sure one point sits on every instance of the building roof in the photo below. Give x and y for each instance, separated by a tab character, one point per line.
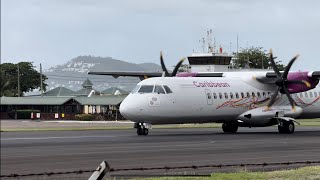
87	84
113	90
101	100
59	91
83	92
35	100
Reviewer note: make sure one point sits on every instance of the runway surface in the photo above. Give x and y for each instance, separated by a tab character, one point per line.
54	151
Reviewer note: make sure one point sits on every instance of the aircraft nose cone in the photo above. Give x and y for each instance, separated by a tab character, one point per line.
126	110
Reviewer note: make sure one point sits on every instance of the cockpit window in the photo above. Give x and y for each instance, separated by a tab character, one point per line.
135	89
146	89
168	90
159	90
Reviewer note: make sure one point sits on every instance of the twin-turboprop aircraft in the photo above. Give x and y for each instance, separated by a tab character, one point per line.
235	99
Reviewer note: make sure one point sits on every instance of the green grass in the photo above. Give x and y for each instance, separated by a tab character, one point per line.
306	173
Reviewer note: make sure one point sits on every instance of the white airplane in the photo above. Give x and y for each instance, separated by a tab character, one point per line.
235	99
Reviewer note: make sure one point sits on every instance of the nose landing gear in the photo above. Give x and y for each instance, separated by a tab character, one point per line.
229	127
142	128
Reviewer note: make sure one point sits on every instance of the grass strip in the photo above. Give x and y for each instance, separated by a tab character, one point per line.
306	173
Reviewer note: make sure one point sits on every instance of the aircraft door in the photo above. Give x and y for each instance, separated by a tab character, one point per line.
209	97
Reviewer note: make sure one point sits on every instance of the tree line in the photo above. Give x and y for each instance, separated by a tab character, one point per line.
29	78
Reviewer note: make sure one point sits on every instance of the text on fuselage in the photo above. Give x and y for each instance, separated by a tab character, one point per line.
210	84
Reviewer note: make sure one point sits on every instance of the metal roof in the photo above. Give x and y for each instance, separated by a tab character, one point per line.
36	100
59	91
101	100
112	90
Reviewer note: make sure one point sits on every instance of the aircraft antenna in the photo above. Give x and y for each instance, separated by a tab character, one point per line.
203	42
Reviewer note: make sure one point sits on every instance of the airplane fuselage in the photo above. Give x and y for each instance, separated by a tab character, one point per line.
207	99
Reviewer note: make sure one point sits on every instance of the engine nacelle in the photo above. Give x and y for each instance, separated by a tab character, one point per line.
301	76
261	117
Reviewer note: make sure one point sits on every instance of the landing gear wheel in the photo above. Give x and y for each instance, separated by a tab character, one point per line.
145	132
142	131
229	128
286	127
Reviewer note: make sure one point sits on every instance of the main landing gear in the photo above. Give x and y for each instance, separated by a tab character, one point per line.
286	127
142	128
229	127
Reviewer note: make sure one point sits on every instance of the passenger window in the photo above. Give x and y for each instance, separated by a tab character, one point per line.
315	94
135	89
269	94
258	94
242	95
301	95
159	90
146	89
311	95
306	94
248	95
264	94
168	90
226	95
237	95
231	95
214	95
253	94
220	95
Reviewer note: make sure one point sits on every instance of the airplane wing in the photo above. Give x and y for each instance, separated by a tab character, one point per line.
141	75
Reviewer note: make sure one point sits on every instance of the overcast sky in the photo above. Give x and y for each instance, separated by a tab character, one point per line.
52	32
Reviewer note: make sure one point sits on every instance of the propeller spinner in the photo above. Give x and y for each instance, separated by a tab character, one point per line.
175	70
282	81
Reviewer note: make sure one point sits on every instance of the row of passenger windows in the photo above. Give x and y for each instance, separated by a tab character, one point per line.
152	89
309	94
258	94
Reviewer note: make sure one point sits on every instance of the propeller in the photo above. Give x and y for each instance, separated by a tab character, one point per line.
175	70
282	81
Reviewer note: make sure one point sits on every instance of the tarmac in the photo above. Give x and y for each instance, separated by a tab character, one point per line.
62	151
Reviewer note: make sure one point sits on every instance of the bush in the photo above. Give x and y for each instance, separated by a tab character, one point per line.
26	113
84	117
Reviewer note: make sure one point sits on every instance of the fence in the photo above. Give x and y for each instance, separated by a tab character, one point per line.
110	170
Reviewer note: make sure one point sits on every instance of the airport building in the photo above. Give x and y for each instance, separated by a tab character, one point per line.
63	103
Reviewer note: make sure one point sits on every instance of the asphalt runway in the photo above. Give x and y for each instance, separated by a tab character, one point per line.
55	151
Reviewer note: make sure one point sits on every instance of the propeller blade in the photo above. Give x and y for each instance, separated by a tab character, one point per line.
273	64
273	98
288	67
177	67
292	102
303	82
163	66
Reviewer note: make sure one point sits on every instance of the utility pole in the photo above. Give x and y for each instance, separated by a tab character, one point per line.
237	44
41	84
18	80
